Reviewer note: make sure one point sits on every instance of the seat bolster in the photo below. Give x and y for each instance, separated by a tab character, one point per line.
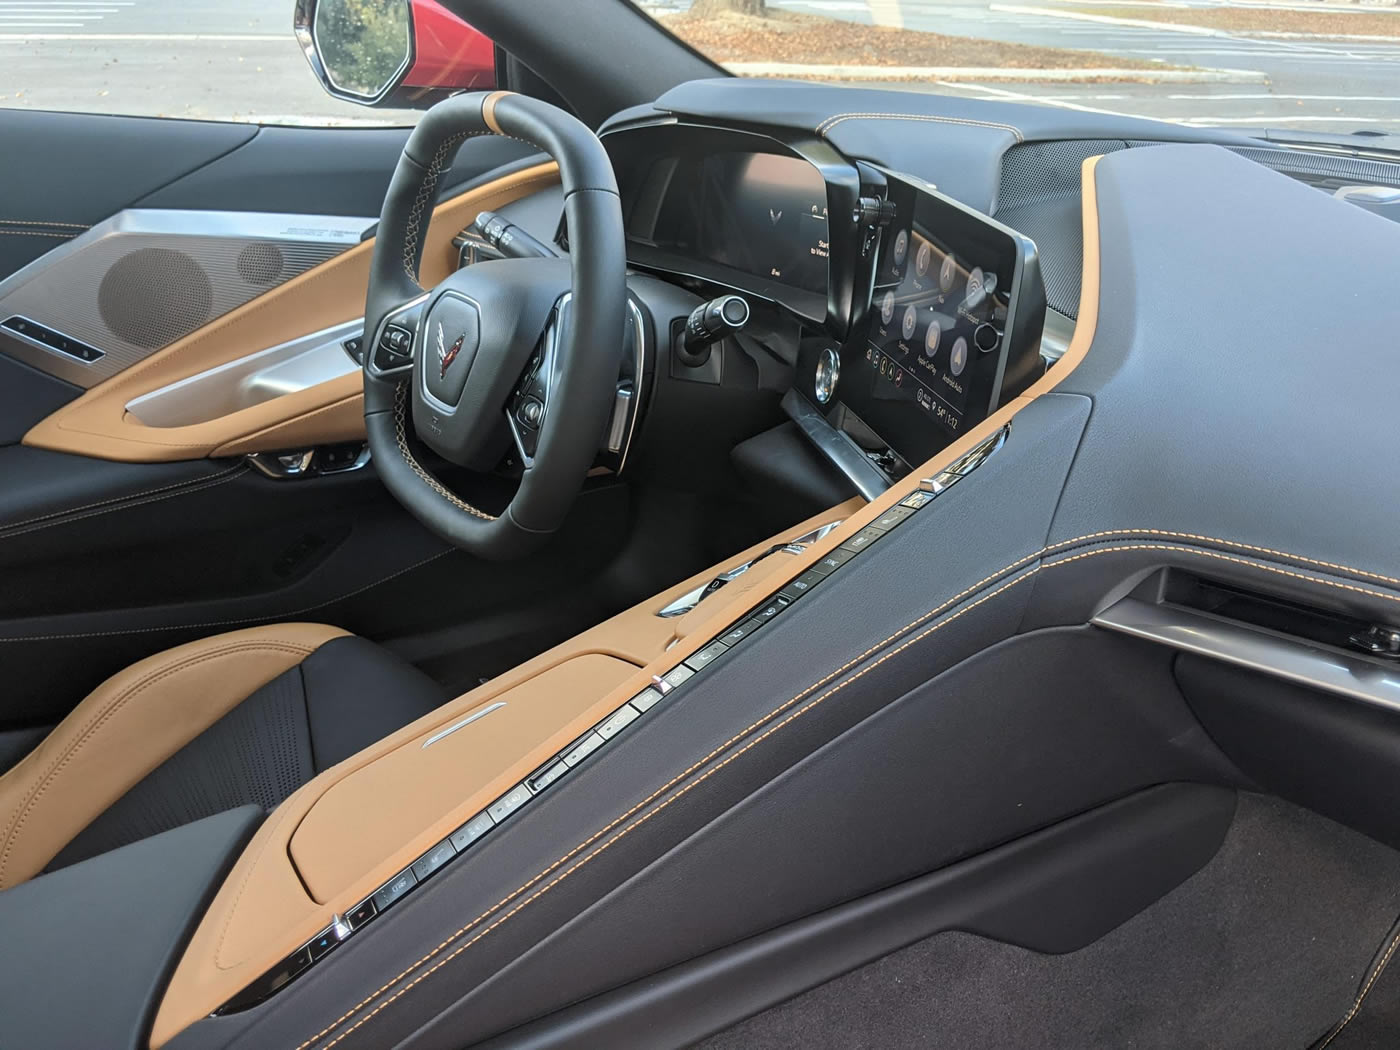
129	725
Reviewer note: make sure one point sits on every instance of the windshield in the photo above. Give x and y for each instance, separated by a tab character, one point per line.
1321	65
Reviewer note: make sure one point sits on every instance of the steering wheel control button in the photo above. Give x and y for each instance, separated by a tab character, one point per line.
452	335
433	859
617	721
591	741
471	831
509	803
530	413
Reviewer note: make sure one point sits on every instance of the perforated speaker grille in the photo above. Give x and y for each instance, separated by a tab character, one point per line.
132	291
1039	197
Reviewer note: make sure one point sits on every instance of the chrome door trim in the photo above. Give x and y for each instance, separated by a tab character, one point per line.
463	723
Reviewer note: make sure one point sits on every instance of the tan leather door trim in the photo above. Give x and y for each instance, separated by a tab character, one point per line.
97	423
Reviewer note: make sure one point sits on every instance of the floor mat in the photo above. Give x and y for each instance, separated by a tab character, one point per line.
1265	947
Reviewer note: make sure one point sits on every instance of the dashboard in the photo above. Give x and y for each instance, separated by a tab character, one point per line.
906	317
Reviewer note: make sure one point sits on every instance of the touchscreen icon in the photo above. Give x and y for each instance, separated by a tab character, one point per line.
957	361
923	259
948	272
931	338
887	307
911	321
901	247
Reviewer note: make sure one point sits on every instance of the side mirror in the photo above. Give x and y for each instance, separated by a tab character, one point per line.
400	53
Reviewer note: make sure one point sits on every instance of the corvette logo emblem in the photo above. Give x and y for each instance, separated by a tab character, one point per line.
446	354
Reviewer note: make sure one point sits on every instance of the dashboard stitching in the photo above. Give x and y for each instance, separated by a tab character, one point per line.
41	222
1012	567
37	233
401	437
824	128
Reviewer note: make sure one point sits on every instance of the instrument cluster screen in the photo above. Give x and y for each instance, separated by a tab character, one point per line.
762	214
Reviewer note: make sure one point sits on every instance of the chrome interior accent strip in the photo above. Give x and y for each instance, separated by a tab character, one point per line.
1279	656
283	369
463	723
1055	337
840	450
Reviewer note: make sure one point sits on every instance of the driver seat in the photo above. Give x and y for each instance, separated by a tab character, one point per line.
247	716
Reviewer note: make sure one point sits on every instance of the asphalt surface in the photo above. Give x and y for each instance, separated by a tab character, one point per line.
237	60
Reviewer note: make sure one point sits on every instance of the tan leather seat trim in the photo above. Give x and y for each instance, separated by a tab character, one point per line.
97	423
126	727
263	877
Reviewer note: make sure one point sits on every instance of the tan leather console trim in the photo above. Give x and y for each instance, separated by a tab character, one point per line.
127	726
249	927
97	423
449	781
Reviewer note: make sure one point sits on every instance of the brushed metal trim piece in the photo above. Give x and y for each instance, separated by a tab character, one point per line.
283	369
1278	656
463	723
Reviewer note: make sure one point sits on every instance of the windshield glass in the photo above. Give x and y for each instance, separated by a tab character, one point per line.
1321	65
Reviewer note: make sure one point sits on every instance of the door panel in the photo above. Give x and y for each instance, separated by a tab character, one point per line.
104	562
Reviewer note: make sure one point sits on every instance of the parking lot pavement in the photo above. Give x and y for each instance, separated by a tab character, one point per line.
237	59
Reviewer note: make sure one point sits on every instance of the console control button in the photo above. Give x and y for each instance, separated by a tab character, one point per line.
915	500
433	859
592	741
547	776
833	561
862	539
617	721
509	803
471	831
695	661
772	609
890	518
395	888
643	701
739	633
677	675
323	942
360	914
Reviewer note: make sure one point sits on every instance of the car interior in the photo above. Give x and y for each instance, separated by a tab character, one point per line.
646	557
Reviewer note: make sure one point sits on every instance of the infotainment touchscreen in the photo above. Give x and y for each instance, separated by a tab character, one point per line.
954	324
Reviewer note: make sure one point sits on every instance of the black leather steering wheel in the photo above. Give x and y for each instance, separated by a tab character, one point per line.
471	338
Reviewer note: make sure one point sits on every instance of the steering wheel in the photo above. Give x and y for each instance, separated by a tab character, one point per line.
448	362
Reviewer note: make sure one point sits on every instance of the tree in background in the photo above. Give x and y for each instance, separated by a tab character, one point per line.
362	42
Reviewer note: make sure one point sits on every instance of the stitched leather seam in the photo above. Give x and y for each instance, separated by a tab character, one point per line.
401	439
246	620
824	128
135	499
37	233
647	801
427	191
100	718
1370	982
43	222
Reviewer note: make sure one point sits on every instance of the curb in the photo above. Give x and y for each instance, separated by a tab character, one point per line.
962	73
